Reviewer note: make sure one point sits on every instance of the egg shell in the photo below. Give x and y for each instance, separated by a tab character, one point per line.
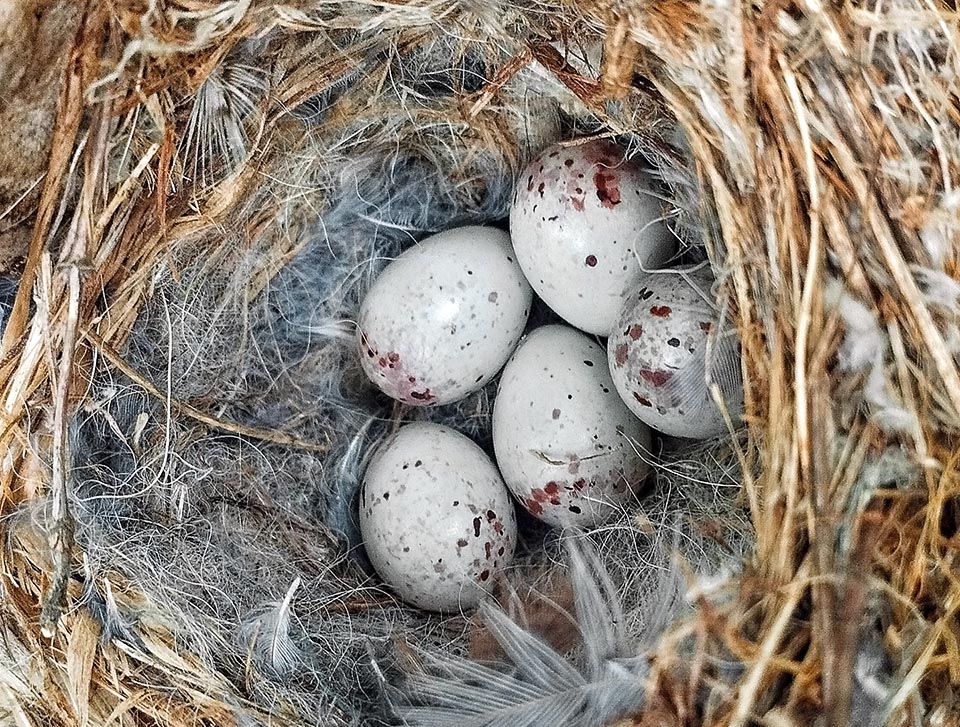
442	319
437	521
566	445
582	220
658	357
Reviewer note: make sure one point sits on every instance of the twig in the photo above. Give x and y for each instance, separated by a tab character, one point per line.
265	435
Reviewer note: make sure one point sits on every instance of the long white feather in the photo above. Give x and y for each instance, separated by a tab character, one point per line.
539	687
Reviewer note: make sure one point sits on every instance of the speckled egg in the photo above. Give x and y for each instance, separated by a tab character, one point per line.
582	220
442	319
659	353
437	521
568	448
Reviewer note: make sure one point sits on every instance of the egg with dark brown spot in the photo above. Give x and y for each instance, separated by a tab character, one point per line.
442	319
420	524
666	350
583	221
568	448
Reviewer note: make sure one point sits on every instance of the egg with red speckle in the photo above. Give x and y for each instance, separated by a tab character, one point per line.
583	219
567	447
666	342
442	319
437	521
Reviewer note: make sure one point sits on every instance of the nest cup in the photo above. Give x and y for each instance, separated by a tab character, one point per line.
209	190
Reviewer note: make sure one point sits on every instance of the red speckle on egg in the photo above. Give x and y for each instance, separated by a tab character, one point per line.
706	326
655	378
579	484
642	399
568	163
530	183
476	527
620	355
484	575
462	543
577	203
607	190
635	331
591	261
549	493
540	188
393	357
487	549
661	311
424	395
534	507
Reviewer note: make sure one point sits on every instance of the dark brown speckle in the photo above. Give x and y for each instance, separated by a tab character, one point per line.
607	190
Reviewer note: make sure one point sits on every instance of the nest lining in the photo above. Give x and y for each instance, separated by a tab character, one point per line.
185	428
243	540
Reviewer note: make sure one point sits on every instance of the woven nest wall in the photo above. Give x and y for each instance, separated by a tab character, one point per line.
194	196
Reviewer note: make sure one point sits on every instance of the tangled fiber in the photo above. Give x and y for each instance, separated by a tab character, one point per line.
184	425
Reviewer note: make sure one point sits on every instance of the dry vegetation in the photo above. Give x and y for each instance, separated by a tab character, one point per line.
824	138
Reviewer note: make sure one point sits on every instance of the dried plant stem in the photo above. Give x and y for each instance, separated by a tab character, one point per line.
771	642
60	534
264	435
83	57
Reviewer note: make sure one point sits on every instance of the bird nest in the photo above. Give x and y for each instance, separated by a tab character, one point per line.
195	196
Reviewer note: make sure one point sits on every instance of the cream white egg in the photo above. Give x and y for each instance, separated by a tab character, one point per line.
442	319
437	521
567	447
582	221
666	341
